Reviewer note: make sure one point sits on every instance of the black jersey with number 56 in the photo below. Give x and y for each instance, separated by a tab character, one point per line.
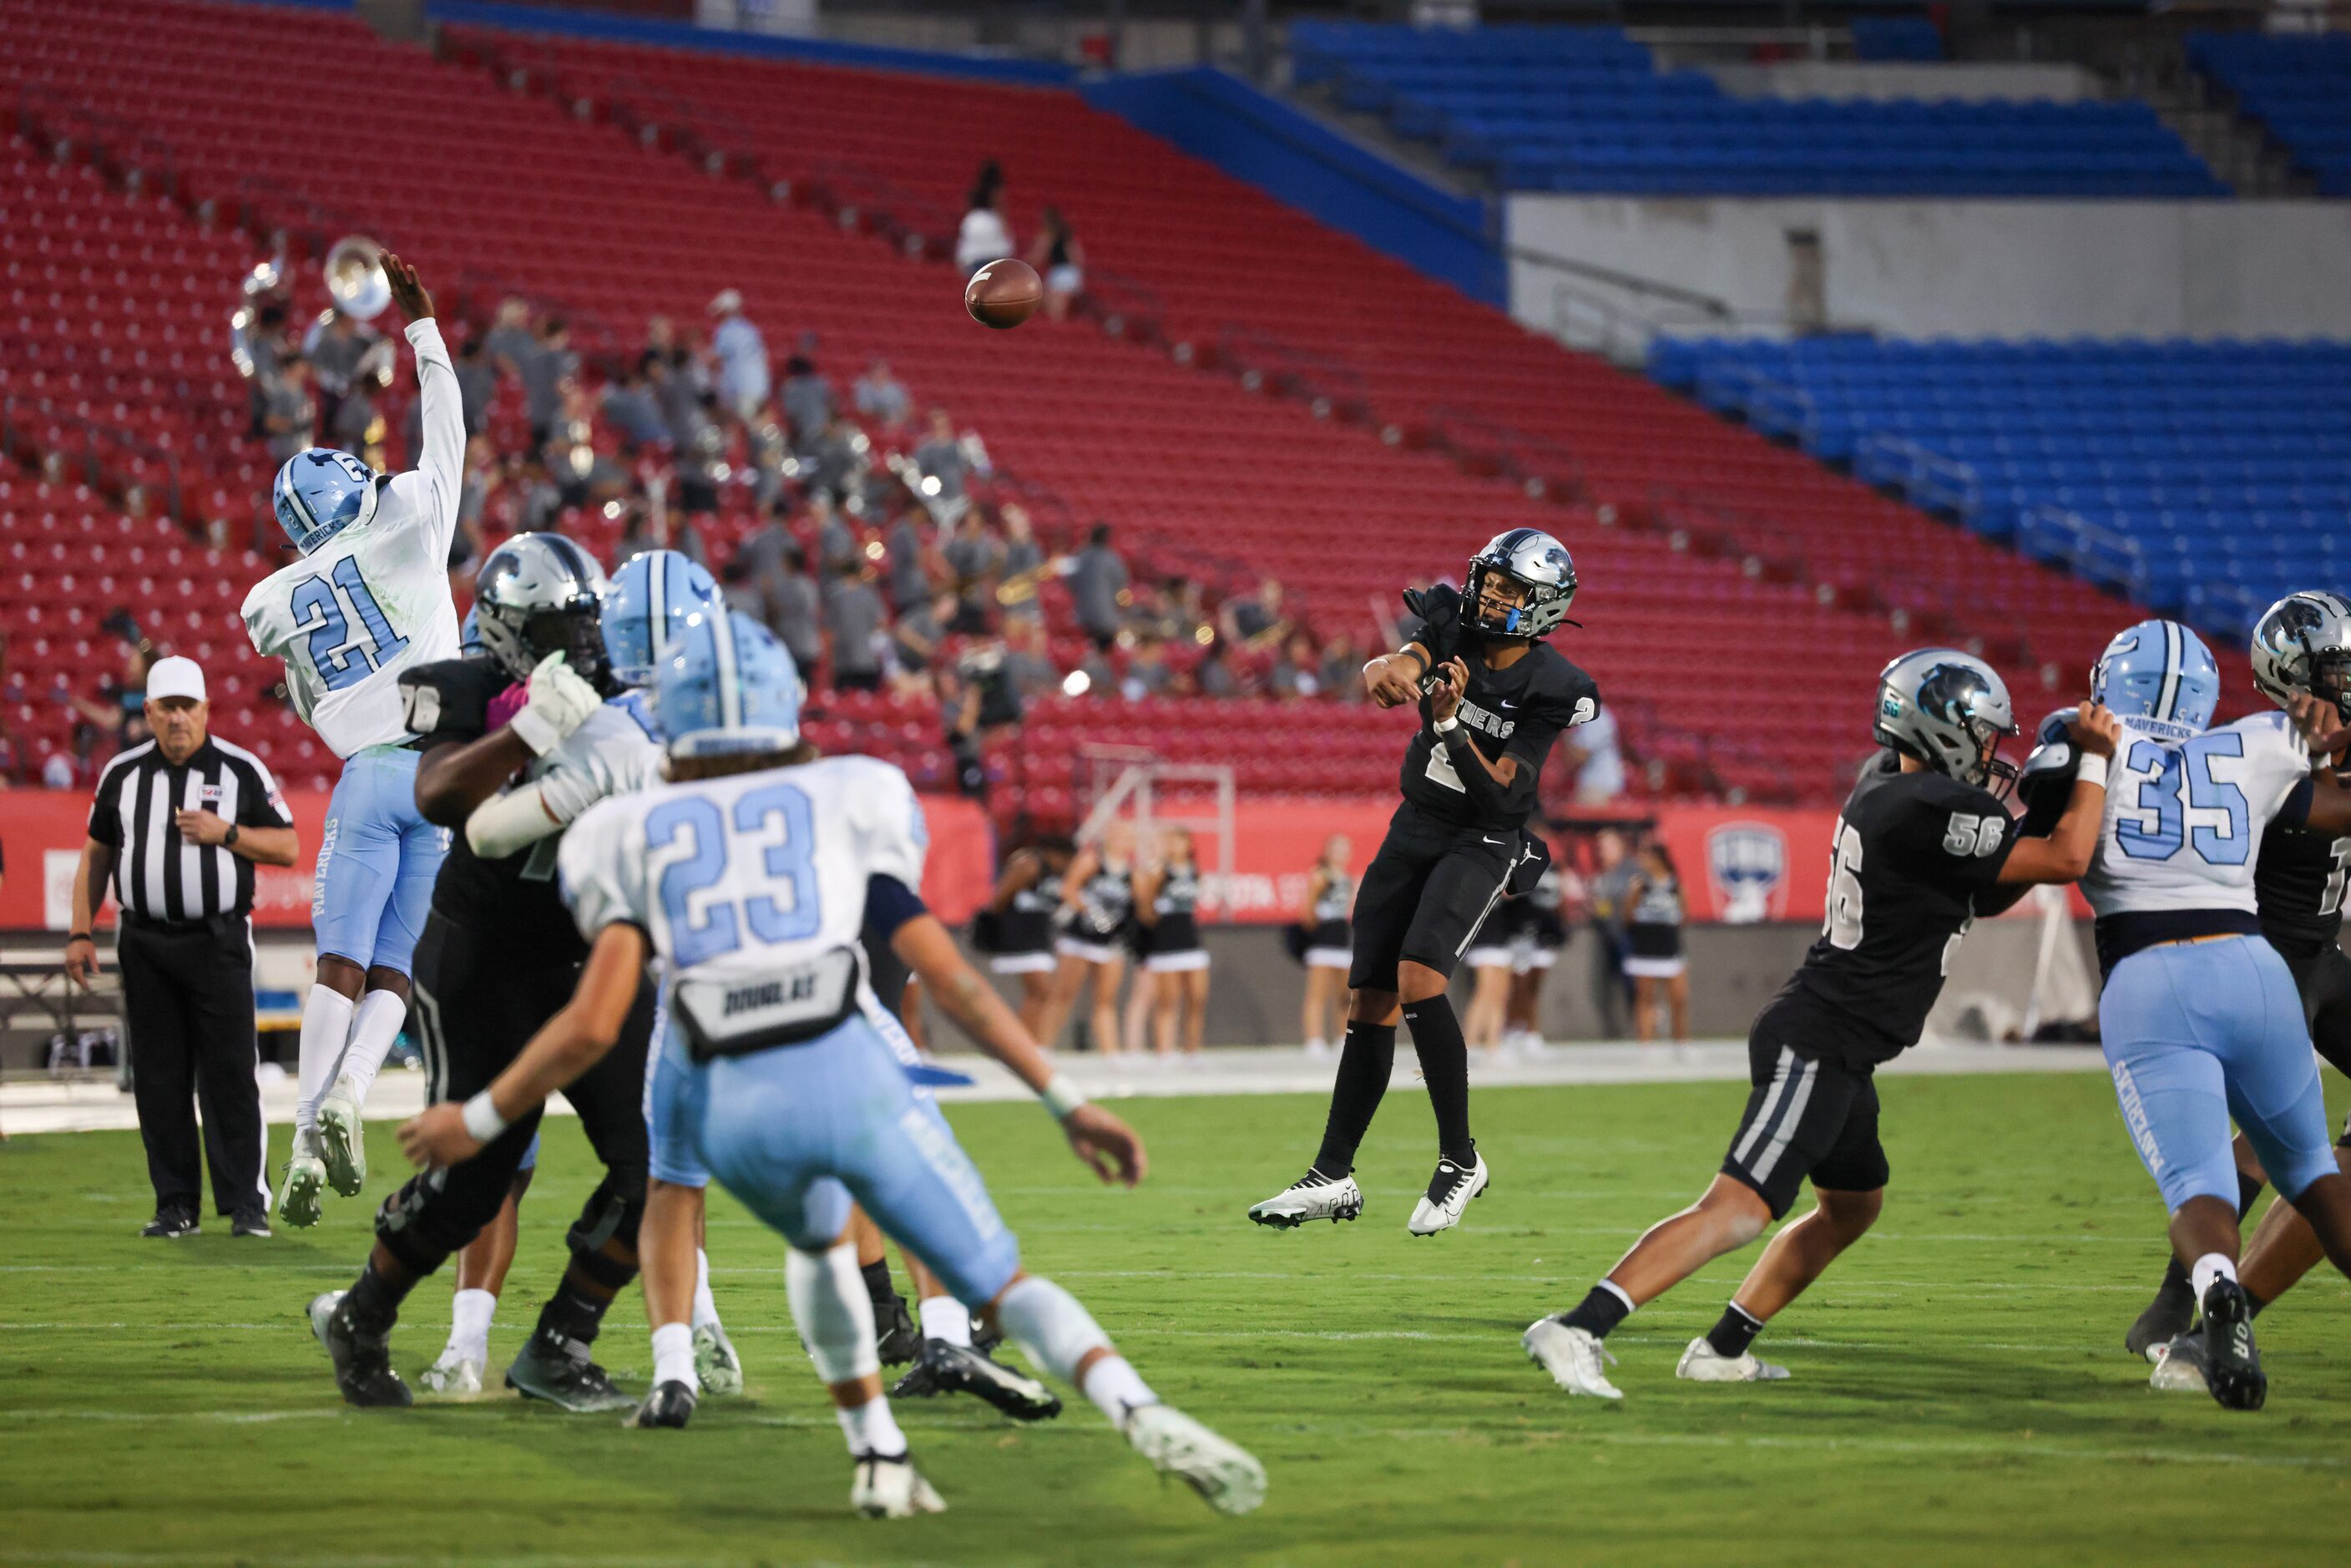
1912	853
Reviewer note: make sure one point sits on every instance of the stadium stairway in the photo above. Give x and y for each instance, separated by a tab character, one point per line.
1342	515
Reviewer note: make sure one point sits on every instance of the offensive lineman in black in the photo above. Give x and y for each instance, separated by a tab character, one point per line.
1493	698
1921	848
2301	645
500	956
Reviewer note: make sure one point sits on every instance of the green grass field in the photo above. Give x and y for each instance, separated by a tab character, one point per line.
1960	1390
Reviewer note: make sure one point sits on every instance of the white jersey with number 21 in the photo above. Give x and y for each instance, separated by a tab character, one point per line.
374	599
2185	816
750	887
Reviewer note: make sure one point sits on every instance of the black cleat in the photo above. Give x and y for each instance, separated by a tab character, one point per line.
2232	1368
253	1220
896	1340
173	1221
670	1404
2166	1317
947	1368
559	1371
362	1358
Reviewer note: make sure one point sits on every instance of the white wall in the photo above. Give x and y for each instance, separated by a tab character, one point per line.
1964	268
1886	78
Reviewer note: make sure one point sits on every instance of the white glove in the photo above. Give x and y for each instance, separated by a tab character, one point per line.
560	701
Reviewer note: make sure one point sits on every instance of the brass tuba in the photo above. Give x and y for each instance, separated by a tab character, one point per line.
354	273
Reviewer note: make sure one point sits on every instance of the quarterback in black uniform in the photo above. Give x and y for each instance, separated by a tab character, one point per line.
2301	646
1493	698
1921	848
499	955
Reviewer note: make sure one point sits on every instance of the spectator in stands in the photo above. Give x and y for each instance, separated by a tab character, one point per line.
1098	583
1296	670
289	416
1258	622
920	632
1027	662
910	581
1611	884
742	356
983	236
1595	752
537	501
542	370
807	400
853	619
1150	613
883	399
836	542
974	557
794	609
356	427
338	346
1212	676
942	461
736	587
1024	567
631	407
1148	674
1101	675
836	461
1341	673
509	341
1059	260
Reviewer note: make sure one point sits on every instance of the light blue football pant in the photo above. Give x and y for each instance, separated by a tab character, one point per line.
2198	1033
798	1132
377	859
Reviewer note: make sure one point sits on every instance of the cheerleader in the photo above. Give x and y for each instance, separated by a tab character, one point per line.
1652	943
1490	948
1020	929
1323	917
1166	902
1541	933
1097	901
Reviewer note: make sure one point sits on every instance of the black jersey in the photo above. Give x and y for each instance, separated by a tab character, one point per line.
1104	904
1175	907
1027	924
517	897
2298	886
1518	712
1912	853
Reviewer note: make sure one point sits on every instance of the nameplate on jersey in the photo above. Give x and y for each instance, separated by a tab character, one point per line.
736	1015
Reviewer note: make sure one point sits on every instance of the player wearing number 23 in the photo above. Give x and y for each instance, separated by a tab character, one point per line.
1921	848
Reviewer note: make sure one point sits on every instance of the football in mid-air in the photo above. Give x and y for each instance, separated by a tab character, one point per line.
1003	293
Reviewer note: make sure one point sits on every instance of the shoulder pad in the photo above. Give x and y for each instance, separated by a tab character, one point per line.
451	696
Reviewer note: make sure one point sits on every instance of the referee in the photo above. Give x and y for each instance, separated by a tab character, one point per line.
179	824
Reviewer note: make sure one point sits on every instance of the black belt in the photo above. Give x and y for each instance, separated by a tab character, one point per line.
217	924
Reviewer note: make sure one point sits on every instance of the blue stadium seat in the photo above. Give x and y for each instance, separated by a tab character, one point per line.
2299	87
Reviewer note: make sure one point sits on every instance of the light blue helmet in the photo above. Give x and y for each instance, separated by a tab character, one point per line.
648	604
726	686
2160	673
319	493
469	636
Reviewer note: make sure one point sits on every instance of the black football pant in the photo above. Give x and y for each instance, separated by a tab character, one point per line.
187	1003
2322	977
1425	894
474	1008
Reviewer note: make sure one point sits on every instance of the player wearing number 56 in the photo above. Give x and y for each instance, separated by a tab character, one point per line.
368	597
1923	846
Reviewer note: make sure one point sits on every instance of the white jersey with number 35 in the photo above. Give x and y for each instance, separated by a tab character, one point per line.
2185	816
374	599
750	887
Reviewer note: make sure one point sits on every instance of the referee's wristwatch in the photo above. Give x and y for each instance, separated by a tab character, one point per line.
228	840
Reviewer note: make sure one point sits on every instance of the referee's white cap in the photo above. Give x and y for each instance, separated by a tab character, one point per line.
175	677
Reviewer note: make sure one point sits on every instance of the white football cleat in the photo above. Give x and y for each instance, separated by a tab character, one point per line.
342	1140
455	1375
1311	1196
1223	1472
1701	1362
714	1361
298	1200
1450	1192
892	1489
1576	1361
2179	1365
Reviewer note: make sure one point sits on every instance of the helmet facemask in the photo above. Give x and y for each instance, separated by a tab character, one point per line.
519	639
1503	604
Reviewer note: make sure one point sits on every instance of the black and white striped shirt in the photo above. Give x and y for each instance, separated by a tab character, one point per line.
158	874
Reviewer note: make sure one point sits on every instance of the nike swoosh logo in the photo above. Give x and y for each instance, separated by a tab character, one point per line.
1506	704
1495	842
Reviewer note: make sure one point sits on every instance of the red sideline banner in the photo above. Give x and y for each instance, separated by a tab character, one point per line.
42	832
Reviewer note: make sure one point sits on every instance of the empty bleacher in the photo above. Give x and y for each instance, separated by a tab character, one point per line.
1585	109
2298	86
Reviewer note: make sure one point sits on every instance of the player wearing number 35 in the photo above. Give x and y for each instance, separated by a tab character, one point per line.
369	598
1922	847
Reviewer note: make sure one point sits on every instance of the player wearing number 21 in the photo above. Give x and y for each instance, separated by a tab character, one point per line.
1922	847
368	598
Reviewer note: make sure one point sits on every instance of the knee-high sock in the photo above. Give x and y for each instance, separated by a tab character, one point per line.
326	1029
1058	1334
1445	1065
375	1027
705	1306
1365	1064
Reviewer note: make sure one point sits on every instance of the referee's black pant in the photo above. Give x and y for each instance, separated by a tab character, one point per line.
187	1001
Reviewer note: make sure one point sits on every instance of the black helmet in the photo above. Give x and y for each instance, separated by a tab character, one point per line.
539	594
1540	565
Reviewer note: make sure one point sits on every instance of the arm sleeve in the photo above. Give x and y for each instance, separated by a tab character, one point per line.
602	882
263	806
609	755
256	617
890	904
894	836
442	461
505	824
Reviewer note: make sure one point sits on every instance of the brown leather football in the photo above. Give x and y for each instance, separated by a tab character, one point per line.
1003	293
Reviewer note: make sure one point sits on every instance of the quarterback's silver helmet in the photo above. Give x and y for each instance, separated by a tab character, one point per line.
539	594
1544	574
2302	644
1950	710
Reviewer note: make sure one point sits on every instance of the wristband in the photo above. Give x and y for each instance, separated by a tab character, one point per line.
1448	724
482	1118
74	936
2092	769
1061	1096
